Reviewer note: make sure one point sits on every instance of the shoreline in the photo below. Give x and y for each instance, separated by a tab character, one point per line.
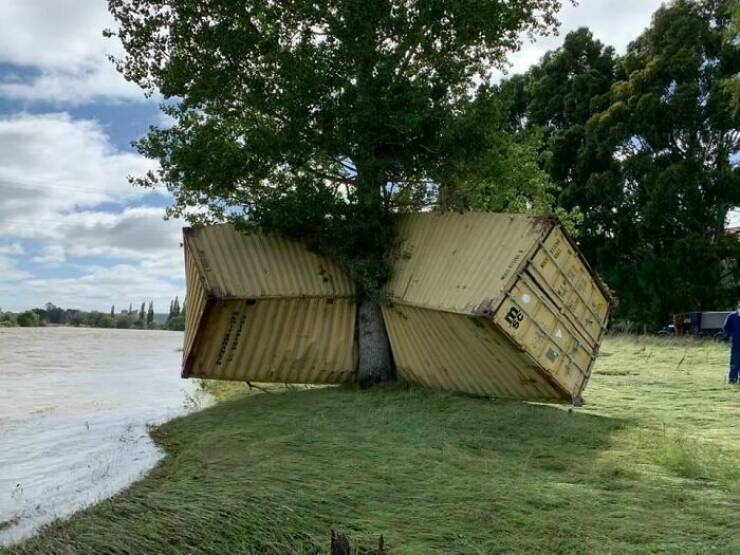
442	473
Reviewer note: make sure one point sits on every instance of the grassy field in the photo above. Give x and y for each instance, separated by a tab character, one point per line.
651	464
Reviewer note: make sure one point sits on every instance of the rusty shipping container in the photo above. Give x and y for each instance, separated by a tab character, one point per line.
263	308
493	304
488	304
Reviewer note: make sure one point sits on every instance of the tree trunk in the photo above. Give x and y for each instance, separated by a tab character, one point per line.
375	364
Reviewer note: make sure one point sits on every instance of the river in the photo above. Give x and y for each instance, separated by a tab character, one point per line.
75	405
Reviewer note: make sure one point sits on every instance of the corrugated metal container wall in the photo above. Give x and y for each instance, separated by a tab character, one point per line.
511	285
264	308
456	352
453	262
196	302
253	265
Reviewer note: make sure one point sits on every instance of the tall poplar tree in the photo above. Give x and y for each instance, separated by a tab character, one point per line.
315	119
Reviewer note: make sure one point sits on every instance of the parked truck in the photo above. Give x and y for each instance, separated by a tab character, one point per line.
701	324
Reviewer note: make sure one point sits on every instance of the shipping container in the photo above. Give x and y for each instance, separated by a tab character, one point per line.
263	308
493	304
489	304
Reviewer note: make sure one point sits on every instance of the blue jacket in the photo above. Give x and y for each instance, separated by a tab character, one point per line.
732	329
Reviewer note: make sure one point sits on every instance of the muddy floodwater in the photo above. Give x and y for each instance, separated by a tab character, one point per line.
75	405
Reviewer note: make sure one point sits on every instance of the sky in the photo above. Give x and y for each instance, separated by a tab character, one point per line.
73	231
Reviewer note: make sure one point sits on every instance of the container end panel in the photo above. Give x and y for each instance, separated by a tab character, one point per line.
195	303
559	270
535	325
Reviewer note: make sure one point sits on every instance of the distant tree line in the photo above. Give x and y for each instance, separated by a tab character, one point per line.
646	147
143	318
176	317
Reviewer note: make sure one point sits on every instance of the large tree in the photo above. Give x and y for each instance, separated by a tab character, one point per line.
672	128
316	119
732	37
558	96
499	165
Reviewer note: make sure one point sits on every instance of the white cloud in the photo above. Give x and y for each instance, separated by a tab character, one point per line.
96	83
52	165
148	247
135	233
55	172
97	289
9	271
12	248
48	33
52	255
62	43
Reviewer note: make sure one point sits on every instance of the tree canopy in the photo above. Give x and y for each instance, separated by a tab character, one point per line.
316	119
672	128
562	93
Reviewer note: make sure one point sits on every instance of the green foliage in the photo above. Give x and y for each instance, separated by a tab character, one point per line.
78	319
150	315
94	319
505	173
646	466
28	319
174	308
671	126
176	323
7	320
124	322
105	321
551	105
732	37
313	119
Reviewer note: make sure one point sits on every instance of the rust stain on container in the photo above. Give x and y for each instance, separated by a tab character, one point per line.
264	308
540	311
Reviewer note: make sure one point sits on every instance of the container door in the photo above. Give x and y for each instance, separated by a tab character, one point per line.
536	326
562	275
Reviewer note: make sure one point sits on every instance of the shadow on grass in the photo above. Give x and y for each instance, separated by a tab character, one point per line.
432	472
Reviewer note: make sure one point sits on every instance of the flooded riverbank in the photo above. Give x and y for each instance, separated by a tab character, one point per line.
75	405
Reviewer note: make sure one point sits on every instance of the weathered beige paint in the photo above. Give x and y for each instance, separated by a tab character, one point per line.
454	262
277	340
264	308
488	304
509	295
457	352
254	265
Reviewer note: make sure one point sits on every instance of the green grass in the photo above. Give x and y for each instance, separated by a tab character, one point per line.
651	464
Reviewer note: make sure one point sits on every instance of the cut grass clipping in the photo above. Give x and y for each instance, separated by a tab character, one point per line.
650	464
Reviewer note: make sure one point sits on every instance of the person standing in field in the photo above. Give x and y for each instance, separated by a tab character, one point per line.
732	330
